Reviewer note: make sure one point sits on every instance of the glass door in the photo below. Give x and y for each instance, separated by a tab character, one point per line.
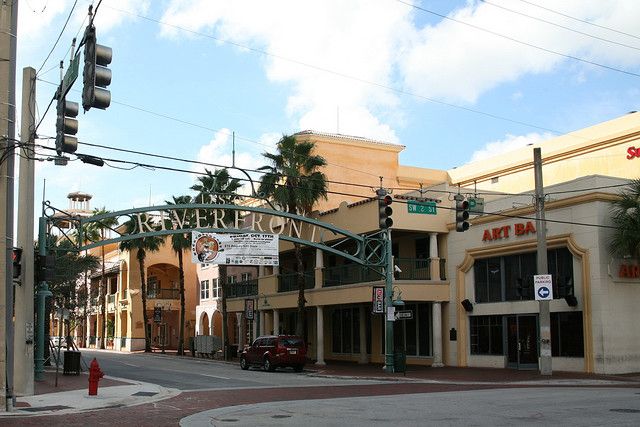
522	341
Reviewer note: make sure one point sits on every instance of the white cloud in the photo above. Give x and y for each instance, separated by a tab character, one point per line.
510	143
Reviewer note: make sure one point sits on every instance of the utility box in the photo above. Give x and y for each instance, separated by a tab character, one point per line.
71	363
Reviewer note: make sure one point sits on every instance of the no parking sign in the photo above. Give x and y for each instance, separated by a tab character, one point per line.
543	287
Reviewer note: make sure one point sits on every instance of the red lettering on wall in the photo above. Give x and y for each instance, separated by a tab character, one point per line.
486	236
530	228
629	271
519	229
633	152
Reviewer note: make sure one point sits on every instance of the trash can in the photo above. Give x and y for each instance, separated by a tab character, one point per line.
232	351
71	363
192	346
399	361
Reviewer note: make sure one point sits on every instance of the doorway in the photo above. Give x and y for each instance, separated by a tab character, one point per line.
522	341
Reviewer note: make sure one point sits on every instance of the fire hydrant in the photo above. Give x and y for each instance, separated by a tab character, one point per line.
95	373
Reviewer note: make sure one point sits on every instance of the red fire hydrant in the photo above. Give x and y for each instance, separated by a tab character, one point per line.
94	376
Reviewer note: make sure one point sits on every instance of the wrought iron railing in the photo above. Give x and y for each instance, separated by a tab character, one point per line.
246	288
289	281
443	269
348	274
163	293
412	268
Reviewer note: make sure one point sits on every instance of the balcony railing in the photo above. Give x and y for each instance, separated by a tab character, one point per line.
289	281
246	288
413	269
443	269
111	299
348	274
163	293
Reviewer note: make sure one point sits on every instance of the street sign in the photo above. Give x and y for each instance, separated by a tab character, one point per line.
378	300
476	205
70	76
425	208
543	287
404	315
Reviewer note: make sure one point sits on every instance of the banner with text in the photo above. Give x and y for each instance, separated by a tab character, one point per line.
234	249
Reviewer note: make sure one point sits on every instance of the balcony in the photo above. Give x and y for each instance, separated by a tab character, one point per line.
288	282
246	288
348	274
413	269
111	299
163	293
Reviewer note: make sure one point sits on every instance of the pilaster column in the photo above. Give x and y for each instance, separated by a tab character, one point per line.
363	336
320	336
262	322
276	322
242	336
318	269
436	322
434	257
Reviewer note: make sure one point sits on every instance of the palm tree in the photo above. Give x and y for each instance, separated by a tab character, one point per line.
179	243
293	180
99	228
625	213
141	245
219	188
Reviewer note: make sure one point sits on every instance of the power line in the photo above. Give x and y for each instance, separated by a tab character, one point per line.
558	25
59	36
579	20
544	49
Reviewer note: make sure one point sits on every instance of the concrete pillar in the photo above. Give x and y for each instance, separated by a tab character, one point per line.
255	326
260	270
320	335
276	322
434	257
318	269
262	322
242	336
363	335
436	322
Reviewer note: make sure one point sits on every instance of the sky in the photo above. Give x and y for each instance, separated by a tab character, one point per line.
198	80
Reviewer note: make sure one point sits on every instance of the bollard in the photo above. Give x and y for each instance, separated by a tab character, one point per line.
94	376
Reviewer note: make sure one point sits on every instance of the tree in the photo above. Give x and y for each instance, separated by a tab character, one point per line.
293	180
89	234
100	228
625	214
219	188
141	245
179	243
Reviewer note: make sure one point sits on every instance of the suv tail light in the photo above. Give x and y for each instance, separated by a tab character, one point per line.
281	349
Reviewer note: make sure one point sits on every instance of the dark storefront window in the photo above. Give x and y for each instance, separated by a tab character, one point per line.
566	334
510	277
413	336
345	326
486	335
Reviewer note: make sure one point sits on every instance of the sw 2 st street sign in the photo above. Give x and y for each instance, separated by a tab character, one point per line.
426	208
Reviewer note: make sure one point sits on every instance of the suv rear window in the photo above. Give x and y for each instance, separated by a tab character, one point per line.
292	342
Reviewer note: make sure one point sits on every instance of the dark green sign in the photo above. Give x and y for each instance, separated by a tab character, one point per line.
425	208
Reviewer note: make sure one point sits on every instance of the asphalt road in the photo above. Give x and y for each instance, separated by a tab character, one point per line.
187	373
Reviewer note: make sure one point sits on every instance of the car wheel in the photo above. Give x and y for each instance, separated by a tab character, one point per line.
243	364
298	368
267	365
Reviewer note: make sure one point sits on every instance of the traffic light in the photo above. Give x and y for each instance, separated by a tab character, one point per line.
462	214
16	256
66	126
384	209
96	76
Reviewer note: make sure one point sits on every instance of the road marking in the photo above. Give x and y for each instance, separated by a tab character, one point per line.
215	376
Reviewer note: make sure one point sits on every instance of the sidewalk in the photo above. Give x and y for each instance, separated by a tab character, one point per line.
70	395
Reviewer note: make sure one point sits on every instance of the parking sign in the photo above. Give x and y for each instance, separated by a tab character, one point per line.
543	287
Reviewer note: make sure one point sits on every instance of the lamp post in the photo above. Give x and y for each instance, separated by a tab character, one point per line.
265	303
390	310
42	293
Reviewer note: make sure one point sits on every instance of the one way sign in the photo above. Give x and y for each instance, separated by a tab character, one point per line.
404	315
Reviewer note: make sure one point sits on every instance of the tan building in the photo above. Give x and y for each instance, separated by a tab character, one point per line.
439	268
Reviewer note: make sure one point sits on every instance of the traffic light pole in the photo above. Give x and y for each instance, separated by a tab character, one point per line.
41	295
388	290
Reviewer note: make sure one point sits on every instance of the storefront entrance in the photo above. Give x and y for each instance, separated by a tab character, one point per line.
522	341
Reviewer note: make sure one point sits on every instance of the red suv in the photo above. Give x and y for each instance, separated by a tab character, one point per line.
273	351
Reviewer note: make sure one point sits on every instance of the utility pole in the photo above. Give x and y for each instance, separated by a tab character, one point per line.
390	310
24	329
542	267
8	36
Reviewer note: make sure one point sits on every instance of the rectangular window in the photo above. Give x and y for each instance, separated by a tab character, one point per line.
245	277
510	277
567	338
486	335
216	288
231	279
204	289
